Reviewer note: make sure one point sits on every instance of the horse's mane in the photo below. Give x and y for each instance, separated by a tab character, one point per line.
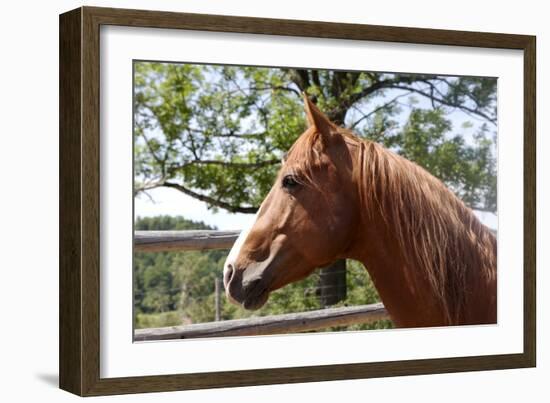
436	232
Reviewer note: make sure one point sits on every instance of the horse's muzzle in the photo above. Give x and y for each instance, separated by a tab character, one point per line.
246	287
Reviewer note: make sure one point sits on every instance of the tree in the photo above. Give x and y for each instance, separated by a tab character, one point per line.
158	284
217	133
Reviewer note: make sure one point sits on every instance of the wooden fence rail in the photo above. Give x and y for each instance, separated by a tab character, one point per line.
274	324
159	241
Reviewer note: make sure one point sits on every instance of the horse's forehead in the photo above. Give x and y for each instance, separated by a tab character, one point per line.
312	159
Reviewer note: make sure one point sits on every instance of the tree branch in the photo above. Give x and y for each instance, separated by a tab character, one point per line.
367	115
444	102
258	164
266	87
300	78
231	134
345	104
210	200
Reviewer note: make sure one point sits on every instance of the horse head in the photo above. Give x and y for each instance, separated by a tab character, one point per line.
306	221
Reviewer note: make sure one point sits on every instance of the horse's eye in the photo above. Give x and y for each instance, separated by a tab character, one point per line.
289	182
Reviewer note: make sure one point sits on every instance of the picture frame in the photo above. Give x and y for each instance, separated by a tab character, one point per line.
80	199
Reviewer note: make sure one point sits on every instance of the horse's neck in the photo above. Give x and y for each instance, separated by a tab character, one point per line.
408	301
408	293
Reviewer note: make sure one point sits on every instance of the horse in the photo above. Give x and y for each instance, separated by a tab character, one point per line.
337	196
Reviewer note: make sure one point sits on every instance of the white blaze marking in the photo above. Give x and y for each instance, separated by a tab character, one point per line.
236	248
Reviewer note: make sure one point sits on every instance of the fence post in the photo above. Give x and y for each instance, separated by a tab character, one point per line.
217	289
332	283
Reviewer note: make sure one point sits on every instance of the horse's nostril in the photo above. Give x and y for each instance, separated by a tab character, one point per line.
228	274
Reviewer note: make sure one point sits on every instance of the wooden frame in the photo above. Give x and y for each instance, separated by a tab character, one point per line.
79	200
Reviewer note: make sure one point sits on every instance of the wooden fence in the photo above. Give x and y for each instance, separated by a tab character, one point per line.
274	324
159	241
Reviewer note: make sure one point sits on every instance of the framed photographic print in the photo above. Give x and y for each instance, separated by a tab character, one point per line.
250	201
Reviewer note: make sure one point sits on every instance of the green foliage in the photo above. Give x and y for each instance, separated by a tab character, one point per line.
163	279
217	133
469	170
174	288
163	319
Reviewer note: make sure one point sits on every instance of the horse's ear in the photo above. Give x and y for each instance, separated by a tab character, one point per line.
316	118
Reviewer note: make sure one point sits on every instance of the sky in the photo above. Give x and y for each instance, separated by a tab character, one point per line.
166	201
